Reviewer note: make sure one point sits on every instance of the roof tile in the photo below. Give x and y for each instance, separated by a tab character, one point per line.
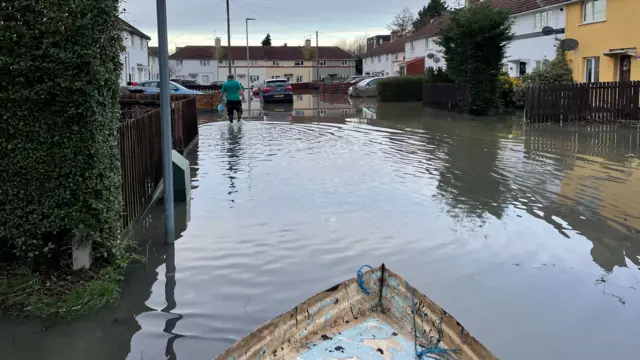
285	53
387	47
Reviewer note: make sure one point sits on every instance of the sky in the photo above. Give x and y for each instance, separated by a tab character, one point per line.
199	22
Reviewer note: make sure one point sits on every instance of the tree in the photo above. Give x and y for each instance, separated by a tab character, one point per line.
267	40
474	44
356	46
174	69
285	45
434	9
402	22
558	71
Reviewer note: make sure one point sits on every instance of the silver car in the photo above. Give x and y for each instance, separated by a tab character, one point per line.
365	88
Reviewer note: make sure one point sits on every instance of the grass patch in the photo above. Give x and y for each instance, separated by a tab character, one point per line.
63	295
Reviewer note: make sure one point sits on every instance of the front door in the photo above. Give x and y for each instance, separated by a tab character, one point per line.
624	68
523	68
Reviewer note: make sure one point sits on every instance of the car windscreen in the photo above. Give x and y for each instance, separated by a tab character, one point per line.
281	83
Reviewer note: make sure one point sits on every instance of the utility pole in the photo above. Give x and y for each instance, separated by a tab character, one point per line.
317	58
165	112
228	38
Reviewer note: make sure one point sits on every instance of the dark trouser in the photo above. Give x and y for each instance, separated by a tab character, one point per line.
234	105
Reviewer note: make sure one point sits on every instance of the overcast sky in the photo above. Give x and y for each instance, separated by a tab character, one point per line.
198	22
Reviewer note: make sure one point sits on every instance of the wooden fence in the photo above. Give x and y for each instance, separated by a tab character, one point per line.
139	143
593	102
449	97
184	114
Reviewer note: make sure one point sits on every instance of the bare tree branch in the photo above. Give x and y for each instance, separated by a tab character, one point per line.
402	22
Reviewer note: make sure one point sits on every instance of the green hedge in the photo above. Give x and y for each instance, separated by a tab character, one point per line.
400	89
59	113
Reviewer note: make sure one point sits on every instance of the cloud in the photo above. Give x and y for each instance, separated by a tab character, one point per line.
198	22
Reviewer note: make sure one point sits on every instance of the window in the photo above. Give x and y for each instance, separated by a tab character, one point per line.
131	40
413	47
253	62
225	62
141	44
379	58
205	79
345	112
323	112
542	19
254	78
542	64
275	76
299	97
299	113
594	10
387	59
298	63
276	62
322	62
430	43
345	62
299	79
505	68
592	69
204	62
395	56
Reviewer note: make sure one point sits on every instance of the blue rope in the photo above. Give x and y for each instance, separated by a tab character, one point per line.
360	278
433	343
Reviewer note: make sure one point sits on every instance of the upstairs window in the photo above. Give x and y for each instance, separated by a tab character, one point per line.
298	63
276	62
204	62
594	10
542	19
322	62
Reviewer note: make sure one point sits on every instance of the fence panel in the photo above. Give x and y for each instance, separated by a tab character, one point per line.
449	97
591	102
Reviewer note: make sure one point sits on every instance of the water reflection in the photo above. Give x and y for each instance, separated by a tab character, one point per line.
509	227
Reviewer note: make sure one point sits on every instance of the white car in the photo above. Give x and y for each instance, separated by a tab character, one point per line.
366	87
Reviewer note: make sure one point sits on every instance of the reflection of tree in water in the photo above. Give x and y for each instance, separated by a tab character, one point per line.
234	148
469	180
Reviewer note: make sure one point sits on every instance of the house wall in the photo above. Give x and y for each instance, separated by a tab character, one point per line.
288	69
239	69
194	70
529	44
342	68
388	64
154	67
135	58
421	51
619	30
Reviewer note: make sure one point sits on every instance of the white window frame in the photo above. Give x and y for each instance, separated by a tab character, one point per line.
395	56
132	41
541	19
253	62
141	44
299	78
589	11
298	63
387	58
275	77
345	62
379	59
276	62
594	72
204	63
254	78
323	112
205	79
322	62
412	47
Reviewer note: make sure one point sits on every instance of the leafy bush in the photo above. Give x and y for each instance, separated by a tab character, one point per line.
400	89
59	114
437	75
474	44
508	86
558	71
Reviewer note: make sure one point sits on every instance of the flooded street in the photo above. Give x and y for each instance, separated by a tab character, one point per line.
529	236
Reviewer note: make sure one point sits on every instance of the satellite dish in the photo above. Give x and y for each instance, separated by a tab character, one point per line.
548	30
430	55
569	44
436	59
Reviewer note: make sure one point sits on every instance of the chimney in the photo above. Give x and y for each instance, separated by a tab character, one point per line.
218	42
395	35
307	43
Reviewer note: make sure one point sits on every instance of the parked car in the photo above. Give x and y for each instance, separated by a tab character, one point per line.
365	88
276	90
185	82
153	87
217	85
315	84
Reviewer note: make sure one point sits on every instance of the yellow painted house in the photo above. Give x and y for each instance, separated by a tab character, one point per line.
608	33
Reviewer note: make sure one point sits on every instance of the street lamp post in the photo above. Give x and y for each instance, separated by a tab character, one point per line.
248	77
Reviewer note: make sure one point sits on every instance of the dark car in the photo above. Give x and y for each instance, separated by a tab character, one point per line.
276	90
217	85
185	82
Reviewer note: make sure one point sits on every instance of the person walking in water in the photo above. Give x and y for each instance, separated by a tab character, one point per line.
231	90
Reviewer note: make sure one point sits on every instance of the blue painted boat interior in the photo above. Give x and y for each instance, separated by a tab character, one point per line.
371	339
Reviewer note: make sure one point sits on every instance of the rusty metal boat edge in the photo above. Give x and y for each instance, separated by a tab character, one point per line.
331	312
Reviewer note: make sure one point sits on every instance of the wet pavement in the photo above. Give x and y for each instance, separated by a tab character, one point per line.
528	235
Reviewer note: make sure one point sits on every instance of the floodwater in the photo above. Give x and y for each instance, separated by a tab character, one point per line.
528	235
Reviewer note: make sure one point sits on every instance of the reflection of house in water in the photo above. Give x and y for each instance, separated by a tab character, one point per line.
597	194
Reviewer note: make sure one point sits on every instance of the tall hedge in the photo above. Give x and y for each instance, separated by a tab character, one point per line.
474	43
59	113
400	89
